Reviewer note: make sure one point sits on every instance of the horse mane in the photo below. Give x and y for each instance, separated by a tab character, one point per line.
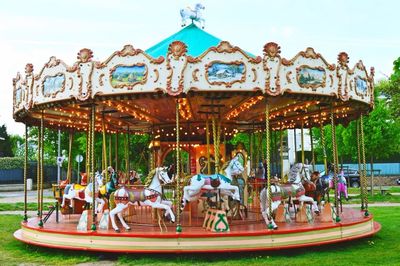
150	176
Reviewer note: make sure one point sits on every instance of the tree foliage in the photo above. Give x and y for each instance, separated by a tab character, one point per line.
381	131
5	143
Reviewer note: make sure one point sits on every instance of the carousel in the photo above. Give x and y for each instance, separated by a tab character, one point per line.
192	93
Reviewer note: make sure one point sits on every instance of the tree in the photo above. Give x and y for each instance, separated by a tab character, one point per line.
5	143
391	89
381	129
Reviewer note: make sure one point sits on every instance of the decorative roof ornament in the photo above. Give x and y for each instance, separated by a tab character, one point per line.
194	15
85	55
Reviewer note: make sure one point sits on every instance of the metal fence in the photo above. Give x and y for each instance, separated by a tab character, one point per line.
16	176
385	168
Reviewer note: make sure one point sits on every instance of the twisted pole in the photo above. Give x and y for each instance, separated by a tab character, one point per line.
41	172
335	166
25	174
364	167
92	168
268	159
178	170
359	164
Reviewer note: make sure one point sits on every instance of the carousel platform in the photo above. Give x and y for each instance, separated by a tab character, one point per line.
244	235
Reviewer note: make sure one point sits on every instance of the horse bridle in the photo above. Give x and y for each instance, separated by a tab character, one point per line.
235	162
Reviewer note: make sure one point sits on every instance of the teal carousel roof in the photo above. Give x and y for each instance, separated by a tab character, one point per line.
196	39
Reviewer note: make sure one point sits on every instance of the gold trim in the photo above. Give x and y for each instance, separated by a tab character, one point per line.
308	53
129	86
129	50
227	84
157	75
60	90
176	49
254	74
288	78
101	76
194	74
312	86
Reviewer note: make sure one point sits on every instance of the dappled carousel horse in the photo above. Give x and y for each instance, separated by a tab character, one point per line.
76	191
201	182
282	192
151	195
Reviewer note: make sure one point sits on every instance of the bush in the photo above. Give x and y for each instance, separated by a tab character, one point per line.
8	163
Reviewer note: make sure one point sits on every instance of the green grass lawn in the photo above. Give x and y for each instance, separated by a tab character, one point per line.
392	189
381	249
19	206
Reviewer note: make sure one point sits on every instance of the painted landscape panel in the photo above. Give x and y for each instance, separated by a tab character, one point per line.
225	72
18	95
311	77
128	75
53	84
361	85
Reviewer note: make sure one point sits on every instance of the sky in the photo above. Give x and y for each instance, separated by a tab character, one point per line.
32	31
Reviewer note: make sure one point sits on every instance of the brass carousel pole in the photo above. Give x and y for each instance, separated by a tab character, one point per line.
38	171
364	174
208	146
92	166
69	169
335	163
127	157
281	151
178	170
109	150
216	144
321	127
302	142
41	172
267	136
295	145
87	169
104	146
312	148
359	164
25	173
116	151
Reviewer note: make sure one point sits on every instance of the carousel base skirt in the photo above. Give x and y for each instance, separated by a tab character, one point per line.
244	235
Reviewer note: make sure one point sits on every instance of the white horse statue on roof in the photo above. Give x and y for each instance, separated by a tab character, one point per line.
194	15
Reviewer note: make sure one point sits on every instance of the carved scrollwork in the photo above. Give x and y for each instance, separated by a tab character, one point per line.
272	50
85	55
177	49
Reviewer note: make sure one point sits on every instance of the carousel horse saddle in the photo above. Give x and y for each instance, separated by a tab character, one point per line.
209	178
137	195
79	187
290	190
102	190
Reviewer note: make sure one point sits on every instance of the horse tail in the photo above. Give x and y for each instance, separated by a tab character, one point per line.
111	201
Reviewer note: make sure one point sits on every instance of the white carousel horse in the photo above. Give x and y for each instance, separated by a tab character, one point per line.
294	189
151	196
201	182
74	191
194	15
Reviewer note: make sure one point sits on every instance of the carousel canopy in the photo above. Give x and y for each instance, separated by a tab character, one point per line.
137	90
